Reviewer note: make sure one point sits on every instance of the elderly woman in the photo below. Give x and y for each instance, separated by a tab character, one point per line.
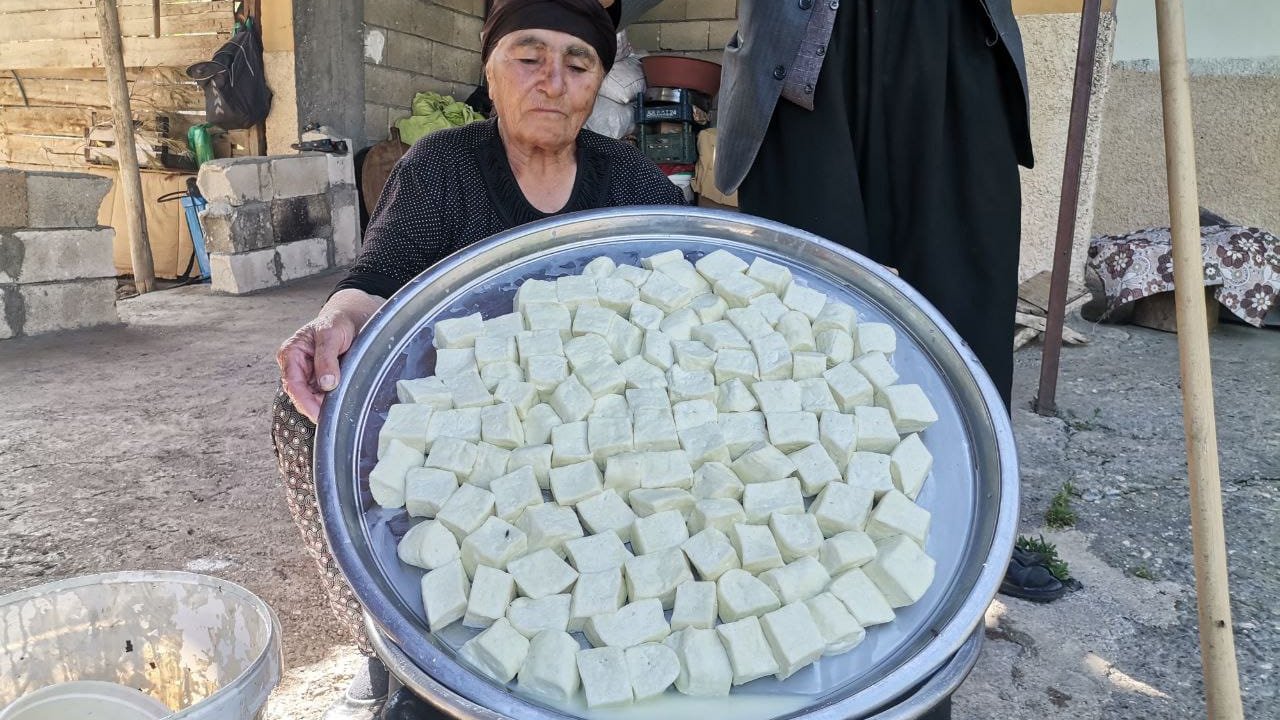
544	62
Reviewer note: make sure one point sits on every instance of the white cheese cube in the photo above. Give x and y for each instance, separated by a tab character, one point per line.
667	469
608	436
458	332
750	322
791	431
596	553
569	445
708	307
841	507
605	680
542	573
607	514
692	413
718	513
740	594
536	458
544	317
624	473
538	343
656	575
530	617
720	335
836	315
870	471
635	623
645	316
695	606
738	290
444	595
571	400
773	356
901	570
387	478
630	273
504	326
648	399
839	628
426	490
572	484
664	293
498	652
734	364
451	361
794	636
535	291
778	395
470	390
603	377
640	374
808	365
816	397
837	436
647	501
850	387
430	391
718	263
655	429
909	465
748	650
592	320
548	526
874	429
911	410
492	591
546	372
616	294
798	580
500	425
574	290
550	669
653	667
710	553
490	350
762	463
756	548
704	443
716	480
895	514
653	262
460	423
772	275
735	395
680	324
815	469
804	300
600	267
520	395
428	545
612	406
659	531
798	535
514	492
795	327
597	593
693	356
657	349
846	550
407	423
876	368
495	543
704	667
497	373
862	598
586	349
875	337
837	345
456	456
770	307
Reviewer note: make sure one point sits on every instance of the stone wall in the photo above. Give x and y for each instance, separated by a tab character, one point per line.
56	271
278	218
699	28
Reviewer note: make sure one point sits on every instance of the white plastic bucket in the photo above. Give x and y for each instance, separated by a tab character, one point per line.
85	699
204	648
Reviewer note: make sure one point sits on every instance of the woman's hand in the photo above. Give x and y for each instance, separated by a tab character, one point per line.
309	359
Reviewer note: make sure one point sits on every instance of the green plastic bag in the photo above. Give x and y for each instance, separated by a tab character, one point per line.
432	112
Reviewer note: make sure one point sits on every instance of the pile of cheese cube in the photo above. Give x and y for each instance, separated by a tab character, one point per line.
710	439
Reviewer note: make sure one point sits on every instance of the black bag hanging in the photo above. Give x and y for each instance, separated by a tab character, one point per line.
236	96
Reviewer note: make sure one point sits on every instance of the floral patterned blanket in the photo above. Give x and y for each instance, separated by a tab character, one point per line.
1243	262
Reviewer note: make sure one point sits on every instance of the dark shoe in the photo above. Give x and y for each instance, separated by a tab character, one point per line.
365	696
1028	578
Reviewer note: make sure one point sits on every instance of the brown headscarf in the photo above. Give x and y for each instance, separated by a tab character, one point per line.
583	19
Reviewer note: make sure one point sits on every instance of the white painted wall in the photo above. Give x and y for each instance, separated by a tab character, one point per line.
1215	29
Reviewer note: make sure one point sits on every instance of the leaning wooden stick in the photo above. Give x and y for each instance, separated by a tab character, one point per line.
1217	644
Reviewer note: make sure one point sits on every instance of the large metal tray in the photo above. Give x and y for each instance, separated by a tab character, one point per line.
972	493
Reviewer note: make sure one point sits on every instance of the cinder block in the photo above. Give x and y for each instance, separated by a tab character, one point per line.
13	191
342	168
408	52
669	10
36	256
346	233
454	65
302	258
241	273
643	36
10	306
376	127
471	7
392	87
299	218
64	200
720	32
691	35
712	9
235	181
298	175
48	307
230	229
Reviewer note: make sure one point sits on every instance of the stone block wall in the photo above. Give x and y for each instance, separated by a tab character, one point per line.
699	28
413	46
278	218
56	271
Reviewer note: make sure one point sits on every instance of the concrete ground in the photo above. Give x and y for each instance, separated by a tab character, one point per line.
145	446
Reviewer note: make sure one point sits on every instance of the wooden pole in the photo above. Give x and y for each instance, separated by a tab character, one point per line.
130	179
1208	537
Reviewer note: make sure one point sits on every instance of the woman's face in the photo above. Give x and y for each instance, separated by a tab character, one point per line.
543	85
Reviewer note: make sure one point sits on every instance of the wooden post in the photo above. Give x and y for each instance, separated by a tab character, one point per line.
1208	538
130	178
